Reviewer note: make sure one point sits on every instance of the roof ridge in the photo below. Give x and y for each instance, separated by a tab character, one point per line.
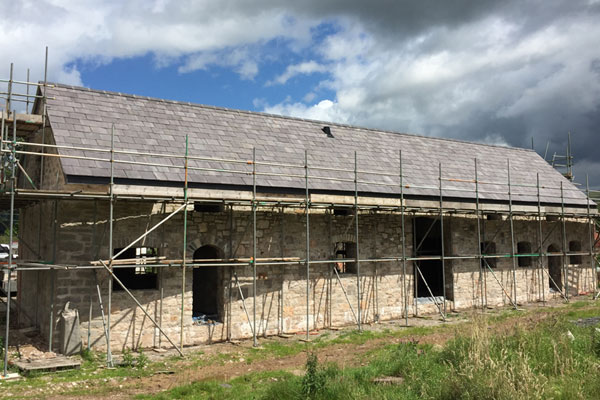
138	97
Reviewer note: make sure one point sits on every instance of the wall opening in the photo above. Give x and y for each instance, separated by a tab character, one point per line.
343	211
345	250
554	268
139	276
488	248
427	236
205	286
524	248
206	207
575	247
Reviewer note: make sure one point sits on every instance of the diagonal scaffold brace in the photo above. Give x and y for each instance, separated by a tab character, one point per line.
140	306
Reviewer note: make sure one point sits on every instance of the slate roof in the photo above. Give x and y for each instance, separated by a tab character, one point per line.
83	117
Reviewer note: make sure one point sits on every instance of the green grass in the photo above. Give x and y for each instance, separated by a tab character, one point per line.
92	372
542	362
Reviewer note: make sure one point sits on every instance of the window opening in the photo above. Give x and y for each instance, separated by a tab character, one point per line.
345	251
524	248
488	248
140	275
575	247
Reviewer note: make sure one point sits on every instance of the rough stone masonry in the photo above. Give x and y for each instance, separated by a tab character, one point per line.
281	289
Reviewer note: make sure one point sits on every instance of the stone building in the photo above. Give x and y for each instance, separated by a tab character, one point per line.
377	245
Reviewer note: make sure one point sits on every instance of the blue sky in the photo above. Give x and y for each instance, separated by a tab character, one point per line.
216	85
484	71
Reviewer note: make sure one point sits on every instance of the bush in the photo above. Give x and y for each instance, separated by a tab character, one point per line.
87	355
142	359
128	359
314	379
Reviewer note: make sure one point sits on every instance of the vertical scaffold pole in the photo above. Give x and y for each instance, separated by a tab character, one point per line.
27	98
442	242
8	98
44	122
231	270
540	240
53	274
403	241
183	262
109	361
307	215
2	145
564	242
591	235
415	264
161	280
480	259
254	252
359	318
27	94
10	237
512	235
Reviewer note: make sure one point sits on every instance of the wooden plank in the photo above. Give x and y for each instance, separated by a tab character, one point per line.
47	365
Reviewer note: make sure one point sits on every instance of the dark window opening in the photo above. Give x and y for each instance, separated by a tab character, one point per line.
524	248
139	276
205	286
427	236
342	211
209	207
575	247
554	268
345	251
488	249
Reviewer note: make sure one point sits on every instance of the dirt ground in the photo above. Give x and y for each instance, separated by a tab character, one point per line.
201	363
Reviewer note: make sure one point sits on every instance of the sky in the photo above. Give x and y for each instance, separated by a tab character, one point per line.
498	72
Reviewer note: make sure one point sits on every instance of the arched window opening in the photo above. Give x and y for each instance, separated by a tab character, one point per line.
345	251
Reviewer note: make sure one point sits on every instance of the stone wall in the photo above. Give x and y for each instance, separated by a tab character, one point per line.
82	235
532	281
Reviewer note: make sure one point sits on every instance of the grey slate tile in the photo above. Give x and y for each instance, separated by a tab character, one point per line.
84	117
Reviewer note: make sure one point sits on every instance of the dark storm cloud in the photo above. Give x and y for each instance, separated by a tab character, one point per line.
490	71
500	72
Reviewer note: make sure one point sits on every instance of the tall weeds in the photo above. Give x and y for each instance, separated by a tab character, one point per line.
483	366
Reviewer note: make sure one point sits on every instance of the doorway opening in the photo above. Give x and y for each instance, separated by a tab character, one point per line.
205	287
427	239
554	268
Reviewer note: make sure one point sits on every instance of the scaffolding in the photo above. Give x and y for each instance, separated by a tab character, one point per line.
14	128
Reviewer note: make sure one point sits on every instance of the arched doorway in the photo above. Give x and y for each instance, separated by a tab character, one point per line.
206	285
554	268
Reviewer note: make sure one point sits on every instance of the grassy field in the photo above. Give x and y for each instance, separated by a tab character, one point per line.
557	359
543	353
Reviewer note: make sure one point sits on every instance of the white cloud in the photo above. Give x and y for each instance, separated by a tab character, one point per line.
309	97
242	60
493	79
304	68
100	31
325	110
496	72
